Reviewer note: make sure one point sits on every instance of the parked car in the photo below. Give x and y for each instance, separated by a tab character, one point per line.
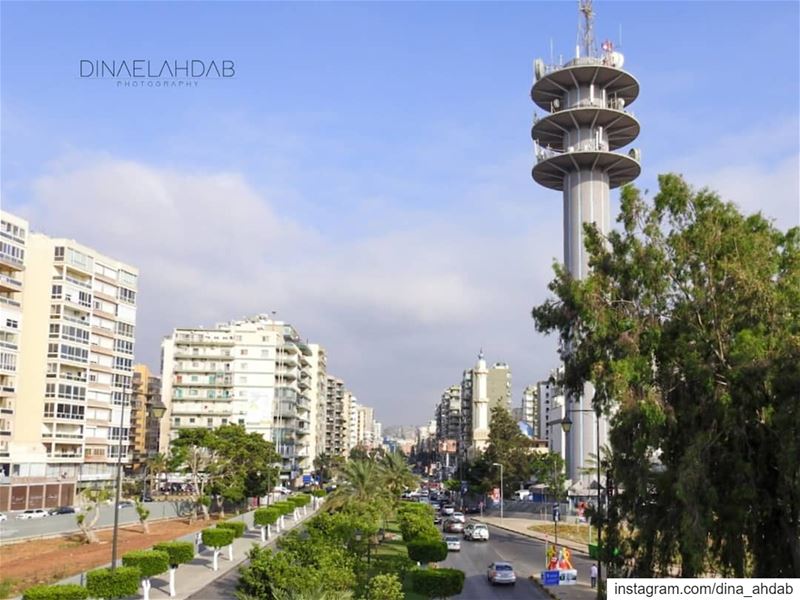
458	516
501	572
453	543
2	517
451	526
33	513
437	519
448	509
62	510
479	532
127	504
279	489
522	495
472	510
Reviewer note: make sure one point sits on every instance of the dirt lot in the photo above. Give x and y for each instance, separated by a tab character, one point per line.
47	561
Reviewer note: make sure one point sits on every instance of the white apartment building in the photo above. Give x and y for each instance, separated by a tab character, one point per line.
337	417
530	409
254	372
73	365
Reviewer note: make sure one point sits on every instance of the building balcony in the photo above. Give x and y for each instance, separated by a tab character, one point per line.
9	302
11	262
10	284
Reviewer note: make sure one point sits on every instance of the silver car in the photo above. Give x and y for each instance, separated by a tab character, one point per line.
501	572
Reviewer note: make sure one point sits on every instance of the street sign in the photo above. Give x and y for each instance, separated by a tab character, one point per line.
550	577
306	479
567	576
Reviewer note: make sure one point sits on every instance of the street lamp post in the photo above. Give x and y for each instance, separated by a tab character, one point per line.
501	486
566	425
157	412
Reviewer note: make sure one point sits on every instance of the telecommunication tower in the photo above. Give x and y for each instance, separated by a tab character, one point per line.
575	143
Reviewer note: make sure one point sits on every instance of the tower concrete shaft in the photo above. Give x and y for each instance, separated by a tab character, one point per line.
575	145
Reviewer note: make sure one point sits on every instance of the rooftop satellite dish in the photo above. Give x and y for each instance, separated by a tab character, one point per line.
617	59
538	68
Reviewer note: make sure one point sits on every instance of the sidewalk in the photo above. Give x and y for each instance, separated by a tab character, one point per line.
194	576
580	559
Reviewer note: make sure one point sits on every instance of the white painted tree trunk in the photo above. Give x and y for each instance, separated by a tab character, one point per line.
294	514
172	582
268	532
230	552
305	510
263	533
216	556
146	588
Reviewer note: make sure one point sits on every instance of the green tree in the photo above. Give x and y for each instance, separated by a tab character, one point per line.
385	587
194	453
507	446
87	520
143	513
326	465
549	469
688	328
156	465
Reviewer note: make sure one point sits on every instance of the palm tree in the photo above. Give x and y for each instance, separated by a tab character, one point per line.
396	474
156	464
359	481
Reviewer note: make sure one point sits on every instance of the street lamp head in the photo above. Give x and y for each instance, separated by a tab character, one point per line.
157	411
566	424
496	465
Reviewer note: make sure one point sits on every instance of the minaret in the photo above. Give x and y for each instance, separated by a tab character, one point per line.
480	405
575	143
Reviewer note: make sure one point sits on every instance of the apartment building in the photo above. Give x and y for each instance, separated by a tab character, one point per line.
254	372
498	386
337	417
148	419
73	368
529	409
13	235
318	387
448	414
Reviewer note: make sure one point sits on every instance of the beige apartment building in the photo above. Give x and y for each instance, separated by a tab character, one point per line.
75	340
254	372
337	417
149	433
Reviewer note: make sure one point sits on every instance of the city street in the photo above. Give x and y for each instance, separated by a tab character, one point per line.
14	528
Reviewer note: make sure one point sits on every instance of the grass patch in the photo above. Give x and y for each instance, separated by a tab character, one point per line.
573	532
6	587
396	547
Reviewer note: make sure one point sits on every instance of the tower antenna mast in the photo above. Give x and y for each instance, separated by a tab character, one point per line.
586	32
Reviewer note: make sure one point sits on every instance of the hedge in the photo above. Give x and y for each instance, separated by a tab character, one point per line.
105	583
284	507
179	552
237	527
69	591
426	551
385	587
149	562
319	493
265	516
298	501
415	526
217	537
437	583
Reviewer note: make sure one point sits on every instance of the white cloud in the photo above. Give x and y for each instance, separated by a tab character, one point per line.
401	313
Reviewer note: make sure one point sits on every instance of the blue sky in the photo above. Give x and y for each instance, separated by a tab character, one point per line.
367	171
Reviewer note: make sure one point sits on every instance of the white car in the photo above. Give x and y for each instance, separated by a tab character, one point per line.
479	532
501	572
281	490
448	510
457	516
453	543
33	513
2	517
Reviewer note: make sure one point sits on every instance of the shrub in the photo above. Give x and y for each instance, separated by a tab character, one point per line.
415	526
437	583
149	562
237	527
70	591
178	552
319	493
299	501
217	537
265	516
105	583
398	564
426	551
284	507
385	587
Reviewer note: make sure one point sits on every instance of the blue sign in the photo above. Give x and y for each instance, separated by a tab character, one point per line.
306	479
550	577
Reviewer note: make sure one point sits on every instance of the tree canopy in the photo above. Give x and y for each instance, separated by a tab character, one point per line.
688	326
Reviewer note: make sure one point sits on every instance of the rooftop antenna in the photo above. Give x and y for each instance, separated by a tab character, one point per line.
619	45
552	56
586	31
